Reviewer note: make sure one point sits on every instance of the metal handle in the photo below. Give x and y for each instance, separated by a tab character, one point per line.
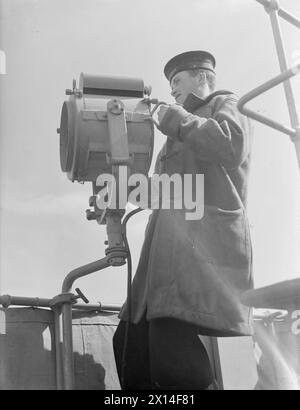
81	295
157	104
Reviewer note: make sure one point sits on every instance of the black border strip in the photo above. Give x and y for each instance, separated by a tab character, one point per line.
112	92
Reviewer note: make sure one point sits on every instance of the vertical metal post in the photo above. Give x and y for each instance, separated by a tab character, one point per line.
297	146
67	347
273	12
58	344
66	312
217	362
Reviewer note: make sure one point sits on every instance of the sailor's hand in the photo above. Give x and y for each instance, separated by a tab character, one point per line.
161	112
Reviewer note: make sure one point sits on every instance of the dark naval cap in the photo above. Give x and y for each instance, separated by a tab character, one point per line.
188	61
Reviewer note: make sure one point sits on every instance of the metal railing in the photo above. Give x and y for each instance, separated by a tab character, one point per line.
62	306
273	9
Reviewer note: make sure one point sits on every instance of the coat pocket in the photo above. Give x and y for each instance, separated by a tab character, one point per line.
224	235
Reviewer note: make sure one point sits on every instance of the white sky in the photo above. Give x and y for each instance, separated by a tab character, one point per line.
44	233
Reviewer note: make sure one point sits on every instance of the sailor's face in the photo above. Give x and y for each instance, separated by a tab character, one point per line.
182	84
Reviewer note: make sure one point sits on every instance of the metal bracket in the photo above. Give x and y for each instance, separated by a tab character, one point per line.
117	133
271	6
69	298
119	161
5	301
62	299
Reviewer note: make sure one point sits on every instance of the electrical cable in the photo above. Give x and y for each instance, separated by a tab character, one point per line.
129	280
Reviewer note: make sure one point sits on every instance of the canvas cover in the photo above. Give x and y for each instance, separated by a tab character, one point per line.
27	350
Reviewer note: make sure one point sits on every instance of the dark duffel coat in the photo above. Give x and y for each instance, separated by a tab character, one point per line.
196	270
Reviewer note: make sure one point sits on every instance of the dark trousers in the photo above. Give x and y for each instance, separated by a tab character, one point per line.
162	354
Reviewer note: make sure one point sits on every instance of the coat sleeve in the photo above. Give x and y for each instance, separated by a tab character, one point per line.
225	138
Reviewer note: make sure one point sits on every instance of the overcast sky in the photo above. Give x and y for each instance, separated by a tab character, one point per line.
44	233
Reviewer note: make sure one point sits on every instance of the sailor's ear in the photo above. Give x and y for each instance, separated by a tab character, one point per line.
202	78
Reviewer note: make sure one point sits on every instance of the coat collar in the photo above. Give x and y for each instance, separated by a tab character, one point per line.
193	102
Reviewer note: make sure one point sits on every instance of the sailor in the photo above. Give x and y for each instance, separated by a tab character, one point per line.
191	273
